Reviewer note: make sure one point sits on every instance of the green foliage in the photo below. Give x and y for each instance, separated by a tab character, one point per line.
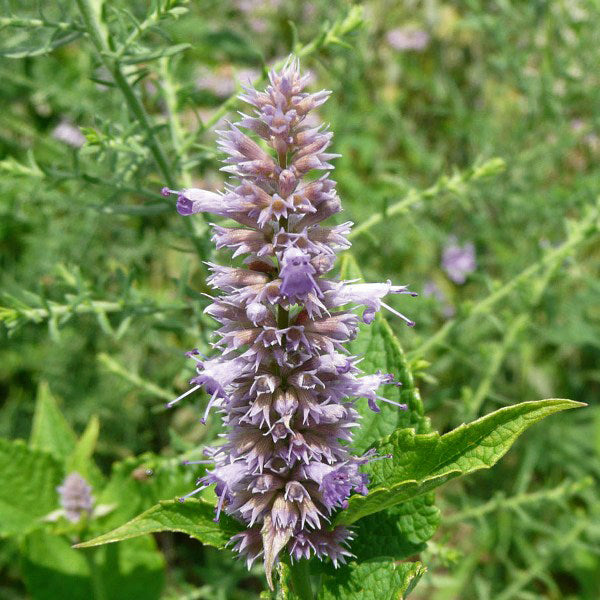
489	133
399	532
420	463
371	580
50	431
29	485
52	568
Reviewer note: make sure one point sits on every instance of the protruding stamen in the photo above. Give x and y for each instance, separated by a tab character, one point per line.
402	406
219	507
197	462
169	404
197	490
208	407
399	314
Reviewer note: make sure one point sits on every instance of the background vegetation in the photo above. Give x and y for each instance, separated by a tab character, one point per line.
473	119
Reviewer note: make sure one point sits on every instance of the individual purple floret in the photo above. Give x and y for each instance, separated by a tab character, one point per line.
281	375
458	261
75	497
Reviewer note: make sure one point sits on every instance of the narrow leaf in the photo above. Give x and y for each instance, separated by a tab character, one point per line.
50	430
80	460
194	517
423	462
160	53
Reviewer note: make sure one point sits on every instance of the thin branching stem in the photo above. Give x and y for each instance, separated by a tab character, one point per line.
578	234
556	494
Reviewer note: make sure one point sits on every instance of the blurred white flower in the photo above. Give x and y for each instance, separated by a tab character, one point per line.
458	261
69	134
408	38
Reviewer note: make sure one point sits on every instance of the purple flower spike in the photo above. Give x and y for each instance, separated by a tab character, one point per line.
282	378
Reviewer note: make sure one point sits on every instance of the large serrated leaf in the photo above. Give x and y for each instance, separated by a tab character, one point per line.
381	351
194	517
421	463
28	490
50	430
371	580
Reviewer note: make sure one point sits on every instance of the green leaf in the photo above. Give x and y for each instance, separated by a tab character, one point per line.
423	462
50	430
51	567
194	517
382	351
398	532
28	490
371	580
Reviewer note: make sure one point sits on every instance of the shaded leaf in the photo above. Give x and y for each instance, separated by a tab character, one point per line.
51	568
371	580
194	517
423	462
398	532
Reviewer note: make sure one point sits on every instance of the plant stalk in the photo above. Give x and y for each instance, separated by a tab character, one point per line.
300	576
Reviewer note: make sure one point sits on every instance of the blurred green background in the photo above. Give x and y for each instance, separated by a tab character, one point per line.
475	121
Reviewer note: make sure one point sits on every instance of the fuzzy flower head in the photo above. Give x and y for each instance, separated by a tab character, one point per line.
280	375
458	260
75	497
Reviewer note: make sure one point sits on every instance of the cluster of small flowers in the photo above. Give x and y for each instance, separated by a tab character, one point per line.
282	379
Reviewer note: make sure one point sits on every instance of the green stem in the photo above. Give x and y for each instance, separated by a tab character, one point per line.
91	556
99	37
556	494
300	576
454	183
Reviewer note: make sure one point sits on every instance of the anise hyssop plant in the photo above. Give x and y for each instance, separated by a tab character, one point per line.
282	379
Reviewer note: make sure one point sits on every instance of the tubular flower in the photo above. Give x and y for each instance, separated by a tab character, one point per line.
282	378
